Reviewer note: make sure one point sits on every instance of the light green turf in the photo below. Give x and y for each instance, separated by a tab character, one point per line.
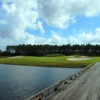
60	61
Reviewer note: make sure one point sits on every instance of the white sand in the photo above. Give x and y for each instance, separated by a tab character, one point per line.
79	58
16	57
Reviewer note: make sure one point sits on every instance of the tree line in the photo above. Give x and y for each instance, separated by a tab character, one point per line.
42	50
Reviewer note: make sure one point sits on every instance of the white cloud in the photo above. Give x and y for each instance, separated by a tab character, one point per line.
56	39
11	8
54	13
32	39
29	39
3	22
39	25
73	40
79	38
18	15
15	17
59	13
91	37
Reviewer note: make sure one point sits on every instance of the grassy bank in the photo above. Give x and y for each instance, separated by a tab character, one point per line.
58	61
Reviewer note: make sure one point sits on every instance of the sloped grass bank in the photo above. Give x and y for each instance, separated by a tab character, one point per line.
58	61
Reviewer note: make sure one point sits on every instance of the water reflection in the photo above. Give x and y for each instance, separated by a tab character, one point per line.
19	82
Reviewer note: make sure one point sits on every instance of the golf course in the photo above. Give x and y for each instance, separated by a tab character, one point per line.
74	61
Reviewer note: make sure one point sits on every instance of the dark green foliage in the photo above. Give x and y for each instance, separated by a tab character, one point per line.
42	50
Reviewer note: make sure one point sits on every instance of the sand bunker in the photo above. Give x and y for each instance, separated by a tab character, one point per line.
79	58
16	57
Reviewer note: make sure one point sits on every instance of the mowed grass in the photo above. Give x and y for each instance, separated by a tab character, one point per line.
58	61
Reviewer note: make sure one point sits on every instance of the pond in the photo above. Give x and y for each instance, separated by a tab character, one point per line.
20	82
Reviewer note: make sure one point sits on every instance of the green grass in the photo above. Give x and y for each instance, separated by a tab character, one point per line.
58	61
54	55
77	55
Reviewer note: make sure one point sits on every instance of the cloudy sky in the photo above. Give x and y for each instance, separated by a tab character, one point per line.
49	22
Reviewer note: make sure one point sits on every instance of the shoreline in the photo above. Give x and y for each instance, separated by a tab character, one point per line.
52	66
58	62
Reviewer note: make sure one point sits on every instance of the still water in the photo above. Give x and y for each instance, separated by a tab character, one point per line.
20	82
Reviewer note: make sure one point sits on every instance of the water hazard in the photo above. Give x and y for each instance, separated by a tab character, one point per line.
20	82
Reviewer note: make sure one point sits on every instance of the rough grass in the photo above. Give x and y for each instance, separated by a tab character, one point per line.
54	55
58	61
77	55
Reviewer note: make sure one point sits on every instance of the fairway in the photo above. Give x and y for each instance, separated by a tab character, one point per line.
57	61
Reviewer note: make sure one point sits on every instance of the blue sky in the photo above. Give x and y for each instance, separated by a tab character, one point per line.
49	22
